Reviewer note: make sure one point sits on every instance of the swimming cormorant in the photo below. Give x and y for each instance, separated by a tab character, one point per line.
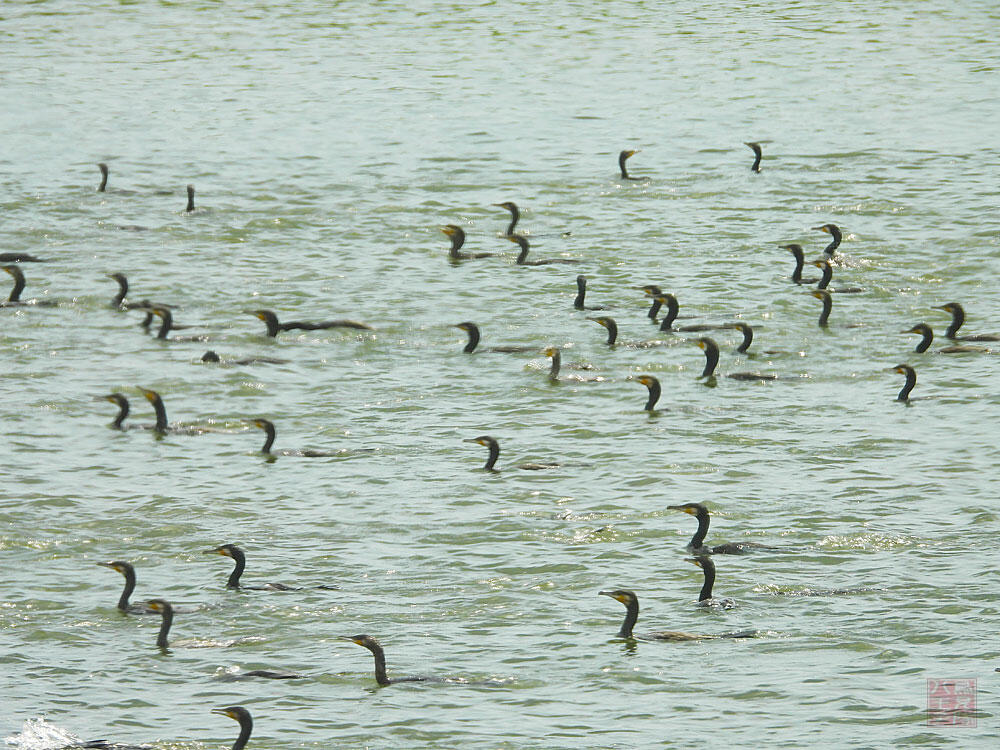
834	231
14	300
515	215
274	326
824	296
653	385
800	259
631	602
211	356
927	333
472	330
697	543
827	269
457	236
522	260
711	350
128	571
190	203
241	715
237	554
494	454
624	156
911	380
756	154
705	598
581	294
957	319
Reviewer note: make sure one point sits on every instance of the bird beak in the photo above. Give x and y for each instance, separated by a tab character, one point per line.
822	229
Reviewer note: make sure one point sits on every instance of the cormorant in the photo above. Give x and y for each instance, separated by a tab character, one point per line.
911	380
711	350
555	354
104	177
624	156
494	449
697	543
834	231
581	294
190	203
825	267
824	296
654	390
457	236
211	356
957	319
473	332
21	258
927	333
14	300
237	554
128	571
274	326
800	260
268	427
757	155
705	598
653	291
241	715
631	602
515	215
522	260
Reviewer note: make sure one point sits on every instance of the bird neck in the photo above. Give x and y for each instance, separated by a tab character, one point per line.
631	617
556	364
123	410
494	455
706	590
671	316
911	380
457	240
104	181
165	623
190	203
654	309
621	166
15	293
523	255
824	316
800	261
144	325
711	361
747	340
957	319
273	327
756	161
832	247
166	323
612	332
127	591
581	293
246	727
925	342
515	215
380	676
473	332
269	435
117	300
699	536
161	415
234	577
827	276
654	395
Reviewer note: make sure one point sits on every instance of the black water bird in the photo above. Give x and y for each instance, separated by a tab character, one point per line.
800	259
239	557
834	231
667	322
457	236
911	380
827	300
522	257
241	715
494	453
472	330
927	337
697	543
167	325
631	602
711	350
14	300
652	290
269	434
160	410
957	319
612	328
747	330
123	410
653	385
274	326
104	177
581	295
190	204
555	354
166	612
383	679
757	155
127	570
827	269
515	215
624	156
705	598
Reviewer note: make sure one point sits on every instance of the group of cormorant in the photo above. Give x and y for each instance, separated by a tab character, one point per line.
701	554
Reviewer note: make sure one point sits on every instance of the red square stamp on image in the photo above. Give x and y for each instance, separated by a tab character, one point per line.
951	703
